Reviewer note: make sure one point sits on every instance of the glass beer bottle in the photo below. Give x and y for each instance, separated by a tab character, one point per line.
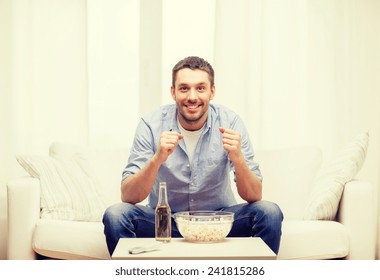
163	216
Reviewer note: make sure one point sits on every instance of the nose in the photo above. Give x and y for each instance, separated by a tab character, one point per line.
192	94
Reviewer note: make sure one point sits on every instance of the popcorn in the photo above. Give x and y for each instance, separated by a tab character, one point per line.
205	231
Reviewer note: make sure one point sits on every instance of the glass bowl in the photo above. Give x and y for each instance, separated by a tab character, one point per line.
204	226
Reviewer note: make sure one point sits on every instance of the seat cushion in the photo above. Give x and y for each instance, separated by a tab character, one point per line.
61	239
313	240
85	240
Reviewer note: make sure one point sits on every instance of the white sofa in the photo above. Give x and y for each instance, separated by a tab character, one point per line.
288	179
3	222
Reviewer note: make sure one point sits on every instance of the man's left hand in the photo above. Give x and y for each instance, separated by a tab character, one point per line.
231	143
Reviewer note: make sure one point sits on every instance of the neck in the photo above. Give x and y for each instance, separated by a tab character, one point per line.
192	125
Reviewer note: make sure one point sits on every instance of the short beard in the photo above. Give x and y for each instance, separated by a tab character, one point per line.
191	122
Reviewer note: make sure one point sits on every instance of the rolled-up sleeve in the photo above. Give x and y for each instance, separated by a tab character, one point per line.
142	150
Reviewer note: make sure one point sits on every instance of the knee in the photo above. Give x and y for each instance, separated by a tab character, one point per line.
114	213
274	210
269	210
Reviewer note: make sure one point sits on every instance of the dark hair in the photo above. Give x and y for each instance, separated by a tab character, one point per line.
193	62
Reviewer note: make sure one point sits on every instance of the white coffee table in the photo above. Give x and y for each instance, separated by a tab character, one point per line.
180	249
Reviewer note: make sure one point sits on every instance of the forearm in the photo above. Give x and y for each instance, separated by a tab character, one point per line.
137	187
248	183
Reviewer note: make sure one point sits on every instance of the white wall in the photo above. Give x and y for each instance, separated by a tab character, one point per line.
112	71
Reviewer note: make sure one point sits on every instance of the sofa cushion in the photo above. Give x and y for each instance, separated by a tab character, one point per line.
314	240
287	177
67	190
105	165
329	183
85	240
70	239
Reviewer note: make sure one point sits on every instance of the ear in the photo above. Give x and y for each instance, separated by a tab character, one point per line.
172	91
212	92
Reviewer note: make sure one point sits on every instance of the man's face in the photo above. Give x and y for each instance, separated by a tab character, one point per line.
192	93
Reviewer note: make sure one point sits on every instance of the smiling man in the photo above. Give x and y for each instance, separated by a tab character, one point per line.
193	146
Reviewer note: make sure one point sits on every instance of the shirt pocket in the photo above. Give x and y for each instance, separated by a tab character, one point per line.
215	168
215	161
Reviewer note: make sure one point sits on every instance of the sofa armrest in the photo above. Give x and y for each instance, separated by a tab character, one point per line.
23	213
357	211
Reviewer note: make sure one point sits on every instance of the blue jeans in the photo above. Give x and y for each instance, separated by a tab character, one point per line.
259	219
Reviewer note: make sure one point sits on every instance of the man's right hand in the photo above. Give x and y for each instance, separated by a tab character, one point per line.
137	187
168	142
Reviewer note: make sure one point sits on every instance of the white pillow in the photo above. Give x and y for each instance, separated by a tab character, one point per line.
67	191
105	165
330	180
288	175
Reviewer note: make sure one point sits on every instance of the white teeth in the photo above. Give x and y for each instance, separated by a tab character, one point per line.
192	107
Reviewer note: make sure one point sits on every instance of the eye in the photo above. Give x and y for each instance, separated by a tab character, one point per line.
201	88
183	88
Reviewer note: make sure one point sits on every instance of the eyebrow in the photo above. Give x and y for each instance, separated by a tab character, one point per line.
198	84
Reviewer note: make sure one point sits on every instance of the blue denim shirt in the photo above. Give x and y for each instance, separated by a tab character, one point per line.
204	185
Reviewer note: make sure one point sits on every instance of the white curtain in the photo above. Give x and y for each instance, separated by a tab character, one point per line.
298	72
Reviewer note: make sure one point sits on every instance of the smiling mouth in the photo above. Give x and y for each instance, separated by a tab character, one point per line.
192	107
